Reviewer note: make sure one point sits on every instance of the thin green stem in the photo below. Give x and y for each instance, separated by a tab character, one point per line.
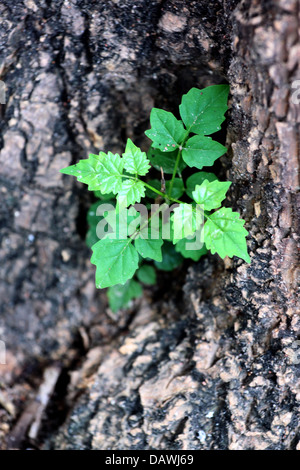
177	164
133	236
164	195
174	172
154	189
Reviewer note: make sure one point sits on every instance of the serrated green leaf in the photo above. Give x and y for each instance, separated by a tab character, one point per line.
177	190
170	258
202	111
166	131
135	161
119	296
224	234
211	194
146	274
182	247
186	220
132	190
110	173
198	178
200	151
87	171
147	247
165	160
116	261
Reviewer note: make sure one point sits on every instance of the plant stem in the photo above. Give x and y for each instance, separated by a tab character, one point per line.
164	195
174	173
161	194
177	163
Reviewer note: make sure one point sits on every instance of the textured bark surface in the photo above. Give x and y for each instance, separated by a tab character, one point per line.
208	358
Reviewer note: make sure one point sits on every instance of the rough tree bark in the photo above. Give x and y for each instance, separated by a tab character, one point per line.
207	359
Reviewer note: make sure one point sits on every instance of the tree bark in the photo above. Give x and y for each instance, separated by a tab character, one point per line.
208	359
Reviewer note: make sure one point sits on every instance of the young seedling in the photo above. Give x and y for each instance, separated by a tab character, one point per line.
126	235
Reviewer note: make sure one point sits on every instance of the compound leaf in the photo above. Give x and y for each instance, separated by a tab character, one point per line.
166	131
224	234
135	161
116	261
211	194
202	111
200	151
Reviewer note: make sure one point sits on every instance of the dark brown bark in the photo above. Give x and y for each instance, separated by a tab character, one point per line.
208	358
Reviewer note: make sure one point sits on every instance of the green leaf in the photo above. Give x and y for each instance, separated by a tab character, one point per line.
93	219
186	220
135	161
119	296
116	261
122	221
110	173
103	197
197	178
200	151
210	195
166	132
147	247
202	111
170	258
132	190
224	234
87	171
146	274
166	160
177	190
194	254
91	237
155	184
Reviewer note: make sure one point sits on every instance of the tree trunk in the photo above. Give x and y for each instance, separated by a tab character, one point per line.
209	358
